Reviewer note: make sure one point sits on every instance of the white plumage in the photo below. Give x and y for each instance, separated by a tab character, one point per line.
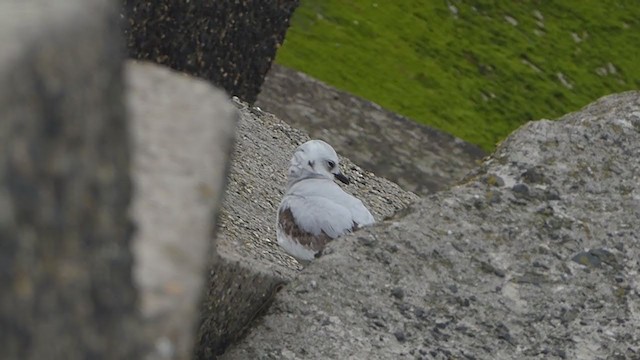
314	209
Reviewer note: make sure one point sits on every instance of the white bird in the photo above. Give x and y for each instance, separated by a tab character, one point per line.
314	209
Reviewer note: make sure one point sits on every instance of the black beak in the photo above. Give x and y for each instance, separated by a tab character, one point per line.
342	178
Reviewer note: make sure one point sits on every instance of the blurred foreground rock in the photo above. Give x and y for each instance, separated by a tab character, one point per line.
65	263
68	285
535	255
251	267
417	157
230	43
182	130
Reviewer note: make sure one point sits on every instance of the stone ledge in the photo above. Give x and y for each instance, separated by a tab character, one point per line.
182	130
535	254
253	267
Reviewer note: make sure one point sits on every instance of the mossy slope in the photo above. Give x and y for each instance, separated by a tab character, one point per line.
477	69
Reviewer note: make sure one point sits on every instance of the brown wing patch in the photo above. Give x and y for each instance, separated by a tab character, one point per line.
288	224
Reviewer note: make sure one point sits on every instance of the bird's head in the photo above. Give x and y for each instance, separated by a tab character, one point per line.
315	159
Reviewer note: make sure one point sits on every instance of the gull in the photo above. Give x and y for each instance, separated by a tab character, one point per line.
314	209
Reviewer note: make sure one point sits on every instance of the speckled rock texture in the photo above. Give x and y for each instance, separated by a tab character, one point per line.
419	158
178	170
251	267
65	264
230	43
534	255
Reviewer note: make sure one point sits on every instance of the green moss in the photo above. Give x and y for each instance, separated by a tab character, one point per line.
473	74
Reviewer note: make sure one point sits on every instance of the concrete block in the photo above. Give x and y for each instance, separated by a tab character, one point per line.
65	264
534	255
417	157
230	43
182	130
252	267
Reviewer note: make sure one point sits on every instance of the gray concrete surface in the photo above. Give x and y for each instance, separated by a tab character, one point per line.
252	268
417	157
230	43
182	129
65	263
534	255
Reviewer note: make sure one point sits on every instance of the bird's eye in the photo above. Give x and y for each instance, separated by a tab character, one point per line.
331	164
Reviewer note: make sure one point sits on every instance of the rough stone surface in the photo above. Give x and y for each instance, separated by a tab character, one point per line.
252	268
182	130
231	43
65	264
535	255
416	157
